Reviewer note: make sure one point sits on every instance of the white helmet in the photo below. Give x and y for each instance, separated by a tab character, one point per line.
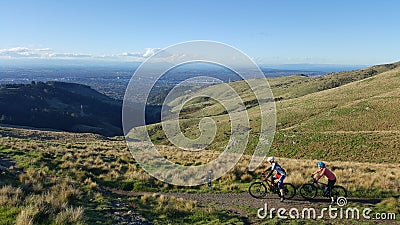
271	159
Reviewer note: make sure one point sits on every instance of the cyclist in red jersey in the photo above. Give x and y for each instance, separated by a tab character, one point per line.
324	171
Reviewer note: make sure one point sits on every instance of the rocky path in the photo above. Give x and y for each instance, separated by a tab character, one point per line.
124	214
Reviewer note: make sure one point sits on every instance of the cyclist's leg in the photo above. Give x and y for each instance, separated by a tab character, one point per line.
280	184
330	187
331	183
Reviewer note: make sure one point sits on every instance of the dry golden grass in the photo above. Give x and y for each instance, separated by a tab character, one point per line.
69	215
91	184
145	198
42	197
10	196
352	175
53	203
172	203
26	216
115	162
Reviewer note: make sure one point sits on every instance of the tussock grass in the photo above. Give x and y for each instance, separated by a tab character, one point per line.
10	196
27	216
70	216
352	175
355	176
127	175
41	196
44	207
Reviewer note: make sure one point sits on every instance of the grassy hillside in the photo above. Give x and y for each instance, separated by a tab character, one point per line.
297	86
355	121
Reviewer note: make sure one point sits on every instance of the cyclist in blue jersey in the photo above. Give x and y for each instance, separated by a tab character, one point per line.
280	174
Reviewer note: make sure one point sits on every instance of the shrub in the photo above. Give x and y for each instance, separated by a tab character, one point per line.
246	177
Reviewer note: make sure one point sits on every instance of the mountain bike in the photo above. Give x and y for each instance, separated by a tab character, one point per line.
260	188
310	190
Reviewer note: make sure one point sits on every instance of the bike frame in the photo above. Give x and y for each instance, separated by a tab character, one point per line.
270	184
321	186
272	187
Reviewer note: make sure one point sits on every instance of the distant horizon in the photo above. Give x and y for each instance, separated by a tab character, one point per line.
16	57
89	64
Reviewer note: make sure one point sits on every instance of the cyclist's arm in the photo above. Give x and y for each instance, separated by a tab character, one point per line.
267	170
315	172
272	170
321	174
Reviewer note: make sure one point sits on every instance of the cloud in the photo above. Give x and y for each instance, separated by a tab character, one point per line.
134	54
68	55
43	53
150	51
147	53
24	52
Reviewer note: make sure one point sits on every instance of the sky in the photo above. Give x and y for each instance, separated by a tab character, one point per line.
357	32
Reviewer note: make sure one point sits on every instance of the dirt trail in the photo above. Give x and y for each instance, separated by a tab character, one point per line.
246	206
244	199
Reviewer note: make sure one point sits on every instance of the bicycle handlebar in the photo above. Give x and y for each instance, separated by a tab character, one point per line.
313	180
265	178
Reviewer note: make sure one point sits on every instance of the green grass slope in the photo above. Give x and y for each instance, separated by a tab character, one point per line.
348	116
354	122
367	105
298	85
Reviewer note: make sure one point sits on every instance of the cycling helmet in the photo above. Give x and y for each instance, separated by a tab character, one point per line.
271	159
321	164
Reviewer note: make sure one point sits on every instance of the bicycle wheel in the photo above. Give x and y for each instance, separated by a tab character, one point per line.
308	191
339	191
257	190
289	190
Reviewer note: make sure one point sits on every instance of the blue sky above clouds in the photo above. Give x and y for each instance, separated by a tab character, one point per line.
271	32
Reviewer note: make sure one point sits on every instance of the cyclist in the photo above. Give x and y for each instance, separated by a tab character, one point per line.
324	171
280	174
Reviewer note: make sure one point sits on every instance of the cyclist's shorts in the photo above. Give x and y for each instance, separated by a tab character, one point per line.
281	178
